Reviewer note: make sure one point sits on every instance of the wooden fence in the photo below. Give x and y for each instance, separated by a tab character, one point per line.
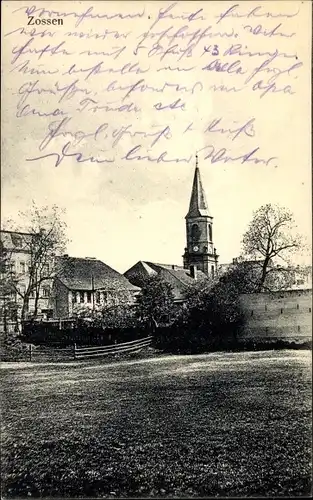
48	354
133	346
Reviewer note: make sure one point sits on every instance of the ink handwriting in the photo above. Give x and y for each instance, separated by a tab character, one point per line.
129	83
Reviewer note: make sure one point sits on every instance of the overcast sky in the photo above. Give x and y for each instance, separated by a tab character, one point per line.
126	211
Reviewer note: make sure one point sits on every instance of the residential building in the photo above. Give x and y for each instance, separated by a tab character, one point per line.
301	278
16	255
74	282
283	277
89	283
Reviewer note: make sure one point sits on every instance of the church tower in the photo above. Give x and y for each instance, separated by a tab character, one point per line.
200	251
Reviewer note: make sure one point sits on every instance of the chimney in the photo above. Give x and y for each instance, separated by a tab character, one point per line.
193	271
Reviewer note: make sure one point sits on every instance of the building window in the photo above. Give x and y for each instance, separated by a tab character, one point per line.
210	232
16	240
195	232
81	296
98	298
74	297
46	292
89	297
32	294
22	267
212	270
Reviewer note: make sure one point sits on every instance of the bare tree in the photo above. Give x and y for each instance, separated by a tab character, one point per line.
271	241
42	240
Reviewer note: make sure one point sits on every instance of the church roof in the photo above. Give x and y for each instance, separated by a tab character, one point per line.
139	271
198	205
87	274
176	275
179	273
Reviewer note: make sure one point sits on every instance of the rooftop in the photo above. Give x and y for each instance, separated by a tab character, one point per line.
91	274
146	268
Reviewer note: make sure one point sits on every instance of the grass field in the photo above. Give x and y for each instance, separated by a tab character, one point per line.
226	424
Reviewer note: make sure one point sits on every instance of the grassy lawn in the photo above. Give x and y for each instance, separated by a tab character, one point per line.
223	424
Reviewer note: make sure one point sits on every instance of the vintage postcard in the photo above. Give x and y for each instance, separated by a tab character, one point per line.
155	274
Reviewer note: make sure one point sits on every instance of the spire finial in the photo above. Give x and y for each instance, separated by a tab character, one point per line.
196	160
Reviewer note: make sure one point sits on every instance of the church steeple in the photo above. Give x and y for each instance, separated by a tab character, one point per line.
198	205
200	251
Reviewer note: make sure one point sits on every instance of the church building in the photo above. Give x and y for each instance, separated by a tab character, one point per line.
200	250
200	258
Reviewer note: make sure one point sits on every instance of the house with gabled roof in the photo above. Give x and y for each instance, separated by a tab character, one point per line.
179	278
90	283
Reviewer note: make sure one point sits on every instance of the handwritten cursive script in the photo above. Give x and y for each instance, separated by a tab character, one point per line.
132	84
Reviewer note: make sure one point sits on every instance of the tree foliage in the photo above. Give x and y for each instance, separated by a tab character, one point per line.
119	313
155	302
216	309
270	241
210	318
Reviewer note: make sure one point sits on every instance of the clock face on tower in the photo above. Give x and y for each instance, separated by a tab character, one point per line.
195	248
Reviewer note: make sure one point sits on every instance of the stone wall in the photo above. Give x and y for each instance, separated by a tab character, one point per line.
282	315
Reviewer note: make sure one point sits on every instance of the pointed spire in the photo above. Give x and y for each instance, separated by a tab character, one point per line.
198	205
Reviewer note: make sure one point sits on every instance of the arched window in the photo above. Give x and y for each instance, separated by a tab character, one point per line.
212	271
195	232
210	232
